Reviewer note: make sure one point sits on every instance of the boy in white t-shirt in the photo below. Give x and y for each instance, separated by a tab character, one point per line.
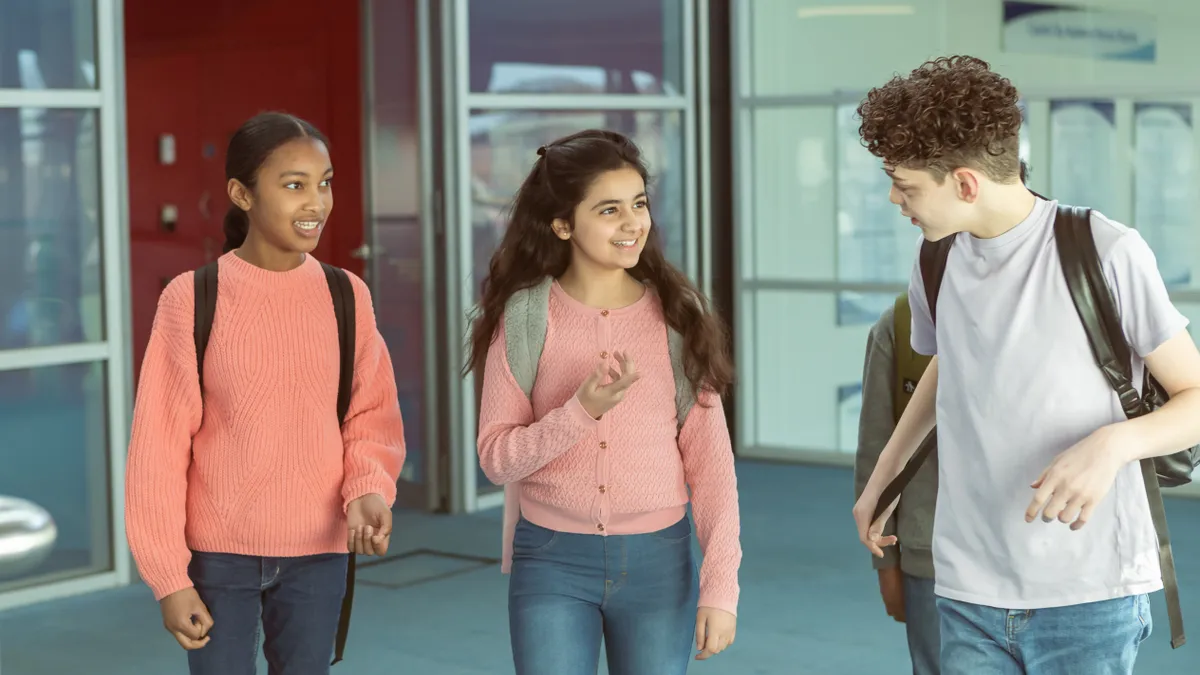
1043	540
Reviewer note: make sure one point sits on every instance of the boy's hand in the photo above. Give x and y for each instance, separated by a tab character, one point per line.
1075	483
871	533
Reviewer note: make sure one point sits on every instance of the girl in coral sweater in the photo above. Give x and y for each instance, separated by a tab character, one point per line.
244	497
597	538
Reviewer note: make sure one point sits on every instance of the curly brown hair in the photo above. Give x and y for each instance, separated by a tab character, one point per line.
952	112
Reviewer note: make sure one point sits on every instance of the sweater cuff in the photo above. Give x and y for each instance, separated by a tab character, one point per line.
715	601
362	488
581	416
169	585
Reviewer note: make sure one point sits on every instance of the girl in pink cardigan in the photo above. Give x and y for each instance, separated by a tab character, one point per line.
246	494
601	543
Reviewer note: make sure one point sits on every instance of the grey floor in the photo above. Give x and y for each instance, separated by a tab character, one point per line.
809	602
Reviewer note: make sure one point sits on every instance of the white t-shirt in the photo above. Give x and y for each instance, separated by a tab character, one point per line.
1017	385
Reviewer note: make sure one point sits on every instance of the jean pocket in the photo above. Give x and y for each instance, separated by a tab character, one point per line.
530	538
1144	616
675	534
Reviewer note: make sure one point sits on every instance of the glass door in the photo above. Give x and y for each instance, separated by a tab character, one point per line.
64	366
521	73
400	249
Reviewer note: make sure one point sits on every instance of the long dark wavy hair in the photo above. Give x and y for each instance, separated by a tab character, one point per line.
530	251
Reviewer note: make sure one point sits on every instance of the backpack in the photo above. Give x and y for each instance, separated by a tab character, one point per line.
525	321
342	294
1097	310
909	365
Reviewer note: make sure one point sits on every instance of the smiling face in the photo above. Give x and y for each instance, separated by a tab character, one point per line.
611	223
292	196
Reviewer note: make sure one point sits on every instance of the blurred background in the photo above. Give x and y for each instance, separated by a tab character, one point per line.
114	116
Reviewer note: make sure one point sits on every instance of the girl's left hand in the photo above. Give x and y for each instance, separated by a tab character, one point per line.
715	630
368	525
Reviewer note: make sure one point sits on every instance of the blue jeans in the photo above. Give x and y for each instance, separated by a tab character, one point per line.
567	591
298	600
1096	638
921	622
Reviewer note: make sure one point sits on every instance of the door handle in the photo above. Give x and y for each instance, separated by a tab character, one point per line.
203	205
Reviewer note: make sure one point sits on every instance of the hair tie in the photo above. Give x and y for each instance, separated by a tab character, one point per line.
541	151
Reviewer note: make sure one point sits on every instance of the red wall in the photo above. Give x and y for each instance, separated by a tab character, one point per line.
199	75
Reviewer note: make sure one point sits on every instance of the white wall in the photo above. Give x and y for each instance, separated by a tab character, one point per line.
801	181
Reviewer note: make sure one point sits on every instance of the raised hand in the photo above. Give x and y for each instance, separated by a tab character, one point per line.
598	398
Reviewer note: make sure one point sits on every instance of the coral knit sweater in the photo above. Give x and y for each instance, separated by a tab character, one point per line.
626	473
259	466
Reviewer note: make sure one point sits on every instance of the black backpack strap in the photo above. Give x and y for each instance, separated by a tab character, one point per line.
1101	321
1094	303
342	294
933	257
205	294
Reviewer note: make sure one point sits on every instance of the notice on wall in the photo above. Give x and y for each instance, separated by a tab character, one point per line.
1164	196
1071	30
1083	152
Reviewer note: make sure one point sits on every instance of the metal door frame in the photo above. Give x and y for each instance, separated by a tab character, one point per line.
115	350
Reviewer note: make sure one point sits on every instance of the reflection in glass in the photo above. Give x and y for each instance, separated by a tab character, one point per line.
53	450
395	211
1164	186
875	243
50	290
1083	145
47	44
556	47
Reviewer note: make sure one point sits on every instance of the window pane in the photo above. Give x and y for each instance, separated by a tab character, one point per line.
504	147
395	212
1164	187
556	47
787	332
790	232
47	44
875	242
900	35
53	447
50	290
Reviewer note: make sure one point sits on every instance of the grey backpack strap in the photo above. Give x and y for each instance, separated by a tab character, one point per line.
685	393
525	331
